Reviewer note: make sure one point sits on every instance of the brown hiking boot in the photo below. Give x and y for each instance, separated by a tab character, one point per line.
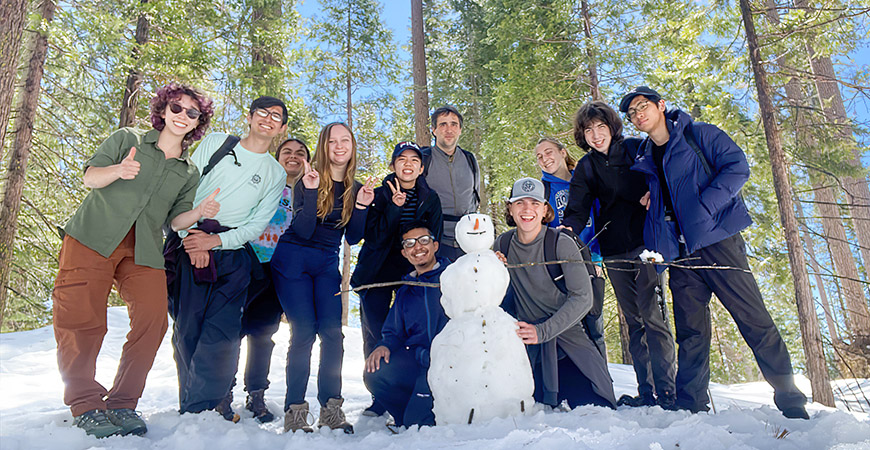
332	416
257	405
225	409
296	418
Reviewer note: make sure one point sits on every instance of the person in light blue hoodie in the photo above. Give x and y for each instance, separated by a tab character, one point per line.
557	167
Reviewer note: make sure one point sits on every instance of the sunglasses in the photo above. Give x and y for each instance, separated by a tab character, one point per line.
192	113
423	240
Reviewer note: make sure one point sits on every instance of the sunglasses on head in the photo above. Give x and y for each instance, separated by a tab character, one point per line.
192	113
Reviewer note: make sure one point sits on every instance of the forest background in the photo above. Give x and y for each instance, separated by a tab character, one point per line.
788	81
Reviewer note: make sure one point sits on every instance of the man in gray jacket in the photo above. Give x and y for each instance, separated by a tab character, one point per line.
453	173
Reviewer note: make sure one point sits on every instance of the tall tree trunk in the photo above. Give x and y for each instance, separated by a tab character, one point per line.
421	91
265	54
12	18
134	76
809	323
590	52
345	267
37	48
820	284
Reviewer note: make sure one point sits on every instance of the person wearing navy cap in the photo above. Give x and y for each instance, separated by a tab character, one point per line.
403	198
695	211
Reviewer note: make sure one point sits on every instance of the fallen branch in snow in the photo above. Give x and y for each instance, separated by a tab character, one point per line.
388	284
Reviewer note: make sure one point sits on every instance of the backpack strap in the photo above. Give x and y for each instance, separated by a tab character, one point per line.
546	190
224	150
689	134
505	243
551	238
474	176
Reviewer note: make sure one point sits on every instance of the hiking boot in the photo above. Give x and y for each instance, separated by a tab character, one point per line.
225	409
645	399
256	404
95	423
130	421
667	400
332	416
796	412
296	418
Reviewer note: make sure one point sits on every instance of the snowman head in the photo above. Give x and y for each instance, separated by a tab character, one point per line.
475	232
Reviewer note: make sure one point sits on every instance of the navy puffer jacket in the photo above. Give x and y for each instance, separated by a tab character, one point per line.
708	208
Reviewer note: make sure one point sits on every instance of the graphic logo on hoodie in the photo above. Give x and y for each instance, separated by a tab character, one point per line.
561	200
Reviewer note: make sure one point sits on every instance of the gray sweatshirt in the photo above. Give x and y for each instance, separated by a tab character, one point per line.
454	181
538	300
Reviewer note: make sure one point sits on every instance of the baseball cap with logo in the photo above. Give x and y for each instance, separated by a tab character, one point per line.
528	188
401	147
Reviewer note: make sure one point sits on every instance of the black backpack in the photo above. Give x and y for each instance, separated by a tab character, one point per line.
225	149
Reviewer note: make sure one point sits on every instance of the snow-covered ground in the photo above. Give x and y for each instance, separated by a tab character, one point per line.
32	414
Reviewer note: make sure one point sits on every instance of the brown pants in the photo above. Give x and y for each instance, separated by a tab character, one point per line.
80	293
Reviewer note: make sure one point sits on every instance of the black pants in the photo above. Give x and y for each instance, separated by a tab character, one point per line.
402	387
260	320
574	386
739	294
594	320
649	339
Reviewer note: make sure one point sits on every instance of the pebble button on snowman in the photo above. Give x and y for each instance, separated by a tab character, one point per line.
479	368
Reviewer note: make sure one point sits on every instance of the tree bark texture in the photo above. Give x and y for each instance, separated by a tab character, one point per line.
37	48
345	266
810	333
421	91
129	102
594	88
13	14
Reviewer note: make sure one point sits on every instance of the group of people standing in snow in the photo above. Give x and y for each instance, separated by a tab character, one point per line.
230	238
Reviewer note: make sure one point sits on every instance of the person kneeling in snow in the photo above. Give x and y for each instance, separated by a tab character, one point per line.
565	362
400	383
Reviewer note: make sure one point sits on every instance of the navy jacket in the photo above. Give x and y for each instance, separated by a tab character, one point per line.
708	208
416	316
308	230
380	258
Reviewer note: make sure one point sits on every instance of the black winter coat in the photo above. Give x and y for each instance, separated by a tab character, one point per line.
380	259
609	179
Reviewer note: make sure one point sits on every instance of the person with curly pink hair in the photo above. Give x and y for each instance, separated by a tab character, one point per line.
139	181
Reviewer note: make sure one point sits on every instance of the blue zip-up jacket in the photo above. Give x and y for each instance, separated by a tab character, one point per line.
558	199
416	315
708	208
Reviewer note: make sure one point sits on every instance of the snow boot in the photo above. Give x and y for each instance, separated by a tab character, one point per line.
645	399
130	421
225	409
95	423
667	400
332	416
256	404
296	418
796	412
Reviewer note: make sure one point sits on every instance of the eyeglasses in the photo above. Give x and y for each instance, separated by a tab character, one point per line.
277	117
192	113
641	107
423	240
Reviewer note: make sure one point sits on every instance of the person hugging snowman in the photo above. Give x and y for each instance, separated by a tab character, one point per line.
566	364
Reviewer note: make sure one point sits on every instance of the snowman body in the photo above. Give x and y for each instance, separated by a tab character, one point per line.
477	361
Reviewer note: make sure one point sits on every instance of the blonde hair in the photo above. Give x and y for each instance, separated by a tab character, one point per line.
570	162
325	201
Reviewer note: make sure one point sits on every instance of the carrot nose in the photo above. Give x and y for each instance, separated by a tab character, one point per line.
476	224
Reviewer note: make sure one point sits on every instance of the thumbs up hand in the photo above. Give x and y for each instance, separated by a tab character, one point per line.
209	207
129	167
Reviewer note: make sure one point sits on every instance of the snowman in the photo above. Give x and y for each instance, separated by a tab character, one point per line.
479	368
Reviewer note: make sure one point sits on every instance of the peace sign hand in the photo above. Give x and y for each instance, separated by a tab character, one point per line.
311	179
366	193
399	197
